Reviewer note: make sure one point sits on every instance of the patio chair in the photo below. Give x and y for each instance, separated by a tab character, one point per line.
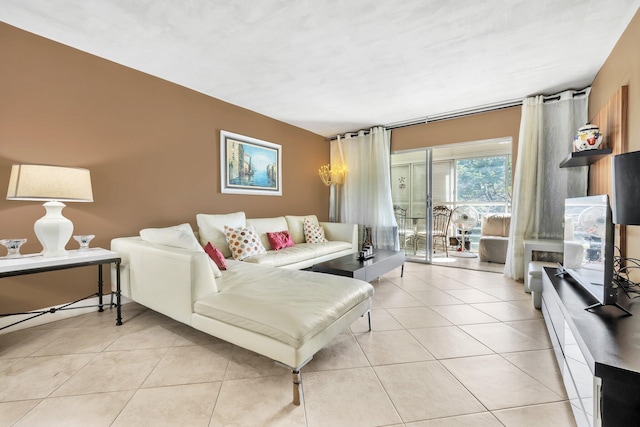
440	229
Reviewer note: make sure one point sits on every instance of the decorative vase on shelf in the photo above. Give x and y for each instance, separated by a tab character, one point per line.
83	241
367	238
13	246
588	137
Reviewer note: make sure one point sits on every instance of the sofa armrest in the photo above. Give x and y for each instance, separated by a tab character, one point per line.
163	278
341	232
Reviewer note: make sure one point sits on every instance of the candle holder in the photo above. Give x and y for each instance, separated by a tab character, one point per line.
83	241
13	246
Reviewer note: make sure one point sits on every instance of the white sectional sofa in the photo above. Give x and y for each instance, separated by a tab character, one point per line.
281	313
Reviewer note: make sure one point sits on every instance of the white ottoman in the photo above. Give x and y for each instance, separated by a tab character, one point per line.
535	280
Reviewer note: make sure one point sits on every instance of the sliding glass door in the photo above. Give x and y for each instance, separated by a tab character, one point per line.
476	174
411	194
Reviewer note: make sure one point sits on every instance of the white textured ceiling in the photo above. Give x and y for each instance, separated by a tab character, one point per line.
332	66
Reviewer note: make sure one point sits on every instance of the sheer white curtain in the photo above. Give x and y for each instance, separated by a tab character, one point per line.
365	197
526	185
540	185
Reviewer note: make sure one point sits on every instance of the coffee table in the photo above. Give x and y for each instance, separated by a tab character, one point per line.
382	262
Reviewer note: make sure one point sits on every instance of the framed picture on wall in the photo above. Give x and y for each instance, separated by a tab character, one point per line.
249	165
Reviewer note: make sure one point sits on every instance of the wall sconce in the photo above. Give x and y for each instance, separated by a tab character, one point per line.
53	185
330	175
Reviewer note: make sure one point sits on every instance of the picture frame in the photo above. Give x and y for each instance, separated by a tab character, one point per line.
249	165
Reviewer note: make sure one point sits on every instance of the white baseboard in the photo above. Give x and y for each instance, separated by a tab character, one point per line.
55	316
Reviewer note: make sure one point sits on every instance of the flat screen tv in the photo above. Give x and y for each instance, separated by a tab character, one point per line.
588	247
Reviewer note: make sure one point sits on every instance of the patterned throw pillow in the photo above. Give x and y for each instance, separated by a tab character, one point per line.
243	242
280	240
313	233
216	256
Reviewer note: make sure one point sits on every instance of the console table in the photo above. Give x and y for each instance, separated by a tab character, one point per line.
27	264
598	352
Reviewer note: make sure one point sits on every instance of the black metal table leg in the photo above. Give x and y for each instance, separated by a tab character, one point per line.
118	305
100	288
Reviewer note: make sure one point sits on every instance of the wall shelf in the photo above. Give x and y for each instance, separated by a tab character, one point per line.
584	158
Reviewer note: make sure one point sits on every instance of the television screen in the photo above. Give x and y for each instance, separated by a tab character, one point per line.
588	246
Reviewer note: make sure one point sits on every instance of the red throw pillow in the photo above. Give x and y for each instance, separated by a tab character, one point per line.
280	240
216	256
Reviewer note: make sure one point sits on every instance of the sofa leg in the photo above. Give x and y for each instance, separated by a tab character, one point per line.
297	380
369	315
297	386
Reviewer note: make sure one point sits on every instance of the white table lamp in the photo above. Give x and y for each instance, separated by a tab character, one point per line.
54	185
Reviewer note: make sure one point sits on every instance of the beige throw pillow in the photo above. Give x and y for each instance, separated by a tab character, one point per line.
243	242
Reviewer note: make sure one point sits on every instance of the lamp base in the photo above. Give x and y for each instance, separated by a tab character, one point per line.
53	230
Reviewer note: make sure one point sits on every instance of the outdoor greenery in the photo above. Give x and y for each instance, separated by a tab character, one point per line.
484	179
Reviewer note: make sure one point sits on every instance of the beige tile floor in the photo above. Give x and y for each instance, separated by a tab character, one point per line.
449	348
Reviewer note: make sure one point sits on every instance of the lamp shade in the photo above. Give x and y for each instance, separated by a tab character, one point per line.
43	182
626	188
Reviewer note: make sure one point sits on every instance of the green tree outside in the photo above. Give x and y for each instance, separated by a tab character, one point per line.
484	179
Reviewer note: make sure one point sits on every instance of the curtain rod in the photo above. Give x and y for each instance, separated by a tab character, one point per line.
440	117
461	113
468	112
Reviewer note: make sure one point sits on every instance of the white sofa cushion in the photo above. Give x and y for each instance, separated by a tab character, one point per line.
296	228
262	226
178	236
211	228
326	248
290	306
298	253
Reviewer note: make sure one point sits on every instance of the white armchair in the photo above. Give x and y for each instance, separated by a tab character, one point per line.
494	238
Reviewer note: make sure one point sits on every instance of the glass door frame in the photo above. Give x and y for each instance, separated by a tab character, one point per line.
428	250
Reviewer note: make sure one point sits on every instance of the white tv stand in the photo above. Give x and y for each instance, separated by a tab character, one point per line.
598	352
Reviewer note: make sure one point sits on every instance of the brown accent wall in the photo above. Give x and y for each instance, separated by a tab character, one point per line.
621	68
476	127
152	148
